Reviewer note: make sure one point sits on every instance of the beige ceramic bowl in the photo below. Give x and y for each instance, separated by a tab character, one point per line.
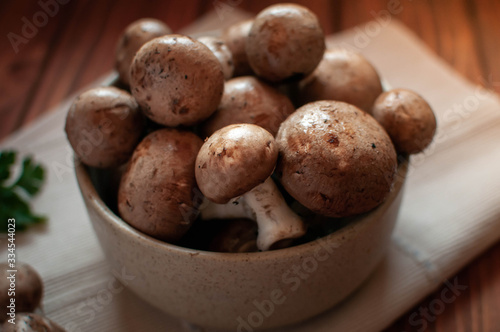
244	291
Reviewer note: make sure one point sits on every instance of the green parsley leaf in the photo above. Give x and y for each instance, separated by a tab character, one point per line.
31	178
7	158
14	197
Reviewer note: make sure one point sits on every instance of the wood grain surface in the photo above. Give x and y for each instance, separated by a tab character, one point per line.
74	45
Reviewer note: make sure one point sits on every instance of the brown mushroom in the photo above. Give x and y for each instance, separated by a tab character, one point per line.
335	159
222	52
285	42
30	322
235	38
157	191
176	80
103	126
133	37
248	100
407	118
342	75
24	287
238	160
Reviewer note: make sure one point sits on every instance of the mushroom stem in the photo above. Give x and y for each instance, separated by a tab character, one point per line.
231	210
275	219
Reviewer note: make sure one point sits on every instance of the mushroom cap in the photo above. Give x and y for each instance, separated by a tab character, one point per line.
176	80
342	75
103	126
335	159
133	37
30	322
285	42
247	99
157	191
29	289
234	160
235	38
222	52
407	118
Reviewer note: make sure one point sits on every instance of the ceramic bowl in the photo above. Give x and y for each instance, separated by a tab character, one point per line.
243	291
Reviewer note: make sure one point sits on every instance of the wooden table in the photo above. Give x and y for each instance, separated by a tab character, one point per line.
75	47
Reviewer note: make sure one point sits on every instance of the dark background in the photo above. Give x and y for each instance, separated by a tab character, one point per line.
76	46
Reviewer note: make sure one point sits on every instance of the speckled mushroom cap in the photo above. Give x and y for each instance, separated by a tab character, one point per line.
134	36
103	126
247	99
222	52
285	42
335	159
176	80
234	160
408	119
235	38
157	191
342	75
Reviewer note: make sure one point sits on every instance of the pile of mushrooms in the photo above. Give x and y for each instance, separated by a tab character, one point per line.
243	128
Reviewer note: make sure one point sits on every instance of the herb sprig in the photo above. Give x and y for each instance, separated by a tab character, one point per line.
15	194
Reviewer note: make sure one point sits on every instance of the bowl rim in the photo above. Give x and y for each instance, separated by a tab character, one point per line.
95	202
